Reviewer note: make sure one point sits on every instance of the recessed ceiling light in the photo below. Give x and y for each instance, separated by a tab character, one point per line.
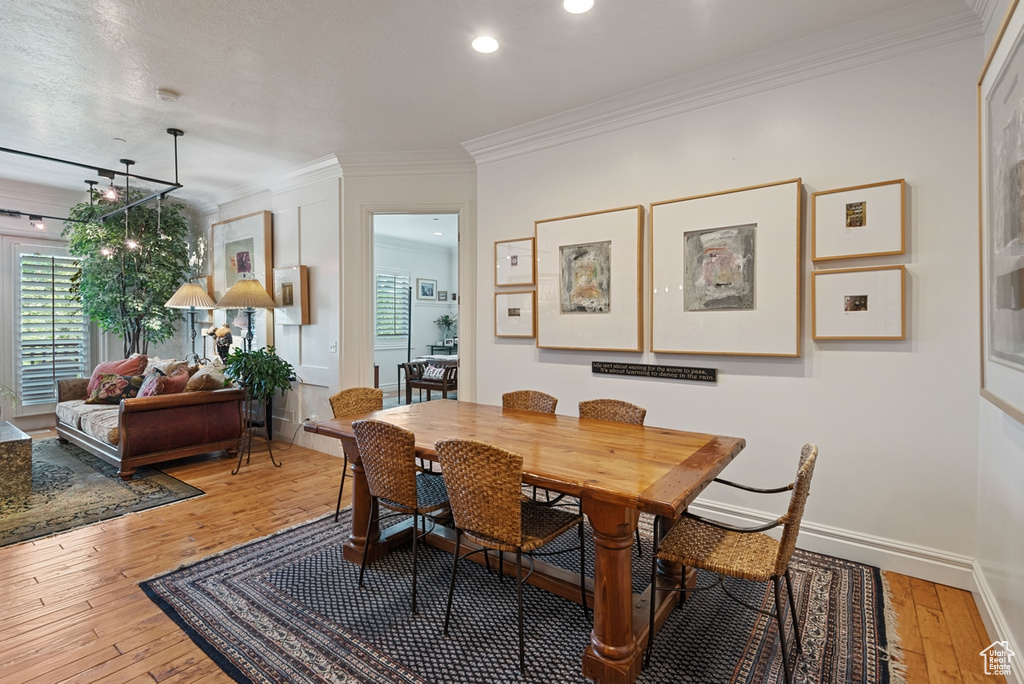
485	44
167	95
577	6
439	234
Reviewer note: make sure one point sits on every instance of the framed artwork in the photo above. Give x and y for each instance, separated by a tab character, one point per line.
859	303
514	263
426	289
861	221
442	295
514	314
725	272
242	247
291	295
589	280
1001	160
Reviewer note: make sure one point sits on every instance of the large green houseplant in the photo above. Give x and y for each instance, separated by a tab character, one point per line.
131	264
261	372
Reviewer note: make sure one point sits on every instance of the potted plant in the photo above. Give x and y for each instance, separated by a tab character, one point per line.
261	372
445	322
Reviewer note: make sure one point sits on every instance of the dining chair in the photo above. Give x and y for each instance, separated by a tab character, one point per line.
388	455
529	400
485	489
617	411
743	553
352	402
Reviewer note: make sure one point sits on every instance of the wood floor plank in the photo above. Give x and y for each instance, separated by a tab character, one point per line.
924	594
917	667
938	649
903	602
967	645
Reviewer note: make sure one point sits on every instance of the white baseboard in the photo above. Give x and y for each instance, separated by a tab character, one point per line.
923	562
995	623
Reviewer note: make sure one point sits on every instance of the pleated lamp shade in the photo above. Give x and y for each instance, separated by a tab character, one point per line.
190	295
246	294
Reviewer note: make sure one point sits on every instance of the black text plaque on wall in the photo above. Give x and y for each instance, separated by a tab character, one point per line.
647	370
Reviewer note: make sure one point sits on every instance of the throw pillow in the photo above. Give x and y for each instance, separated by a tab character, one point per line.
112	388
175	382
433	373
206	378
133	365
150	384
165	366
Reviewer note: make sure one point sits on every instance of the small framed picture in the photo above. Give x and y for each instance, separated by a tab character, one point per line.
513	262
866	220
858	303
426	289
442	295
514	314
449	341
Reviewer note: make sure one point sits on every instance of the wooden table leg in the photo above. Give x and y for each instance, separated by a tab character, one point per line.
363	507
613	654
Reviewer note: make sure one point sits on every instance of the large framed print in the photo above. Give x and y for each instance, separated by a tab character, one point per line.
1001	161
242	248
859	303
725	272
514	263
861	221
589	280
514	314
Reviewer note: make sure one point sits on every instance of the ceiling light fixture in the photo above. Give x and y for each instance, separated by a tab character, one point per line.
167	95
485	44
577	6
36	221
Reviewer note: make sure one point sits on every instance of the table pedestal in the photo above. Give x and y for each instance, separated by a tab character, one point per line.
15	462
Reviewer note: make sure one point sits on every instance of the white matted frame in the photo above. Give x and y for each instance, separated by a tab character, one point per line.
860	221
243	247
1001	226
291	295
605	314
514	263
426	288
859	303
514	314
766	322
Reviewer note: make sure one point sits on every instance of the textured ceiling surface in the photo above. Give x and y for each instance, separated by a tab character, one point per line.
267	85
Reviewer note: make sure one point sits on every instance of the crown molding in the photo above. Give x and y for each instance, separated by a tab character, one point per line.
985	10
896	33
428	162
322	169
412	246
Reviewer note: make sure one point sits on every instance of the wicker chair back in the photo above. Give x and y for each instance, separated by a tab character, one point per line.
614	410
388	455
529	400
356	400
801	489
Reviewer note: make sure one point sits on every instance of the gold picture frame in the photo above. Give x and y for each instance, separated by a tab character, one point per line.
243	246
514	262
859	303
859	221
515	314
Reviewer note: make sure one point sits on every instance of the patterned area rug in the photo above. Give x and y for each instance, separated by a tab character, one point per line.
287	609
71	488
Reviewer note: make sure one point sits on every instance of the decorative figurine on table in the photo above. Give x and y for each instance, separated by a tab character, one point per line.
223	343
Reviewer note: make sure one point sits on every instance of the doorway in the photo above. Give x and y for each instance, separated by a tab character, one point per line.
415	286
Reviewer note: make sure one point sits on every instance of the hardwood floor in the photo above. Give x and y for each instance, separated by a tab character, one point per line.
71	610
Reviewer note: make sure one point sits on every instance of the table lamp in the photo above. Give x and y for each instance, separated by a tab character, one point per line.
191	297
248	295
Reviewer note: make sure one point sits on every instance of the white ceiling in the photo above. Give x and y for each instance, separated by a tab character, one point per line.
268	85
440	230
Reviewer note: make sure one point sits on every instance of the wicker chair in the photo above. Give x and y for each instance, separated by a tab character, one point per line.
744	553
388	455
484	486
620	412
529	400
352	402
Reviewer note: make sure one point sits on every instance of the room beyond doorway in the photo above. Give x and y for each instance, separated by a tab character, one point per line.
416	277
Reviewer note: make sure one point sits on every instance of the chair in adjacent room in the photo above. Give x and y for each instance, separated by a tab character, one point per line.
617	411
529	400
388	455
353	402
484	486
744	553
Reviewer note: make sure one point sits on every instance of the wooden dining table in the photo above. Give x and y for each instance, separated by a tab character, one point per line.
616	470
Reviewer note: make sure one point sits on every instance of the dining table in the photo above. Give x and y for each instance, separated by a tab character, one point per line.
616	470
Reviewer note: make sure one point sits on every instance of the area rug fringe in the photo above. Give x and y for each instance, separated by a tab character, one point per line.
897	666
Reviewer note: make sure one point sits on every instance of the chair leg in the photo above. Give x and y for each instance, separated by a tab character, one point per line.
501	566
366	541
583	578
792	611
777	580
451	585
415	534
639	546
344	470
654	605
519	602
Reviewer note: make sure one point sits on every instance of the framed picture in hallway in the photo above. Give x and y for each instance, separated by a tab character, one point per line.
1001	169
242	248
426	289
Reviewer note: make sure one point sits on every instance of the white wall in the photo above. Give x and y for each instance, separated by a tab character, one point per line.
896	483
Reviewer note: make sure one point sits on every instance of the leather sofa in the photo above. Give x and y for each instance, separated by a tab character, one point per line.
151	429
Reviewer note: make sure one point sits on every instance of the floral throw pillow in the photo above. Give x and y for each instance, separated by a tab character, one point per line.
134	365
112	388
433	373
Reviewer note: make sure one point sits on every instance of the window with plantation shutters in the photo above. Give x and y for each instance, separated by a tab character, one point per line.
52	331
392	306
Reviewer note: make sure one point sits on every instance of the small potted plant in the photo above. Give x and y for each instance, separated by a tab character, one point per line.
445	322
260	371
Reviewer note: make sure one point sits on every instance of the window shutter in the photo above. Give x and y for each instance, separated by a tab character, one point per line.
392	306
53	332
